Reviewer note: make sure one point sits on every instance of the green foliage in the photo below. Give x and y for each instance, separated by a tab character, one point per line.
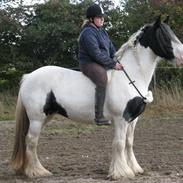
169	77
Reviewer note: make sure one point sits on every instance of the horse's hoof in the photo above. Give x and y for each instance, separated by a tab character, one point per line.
138	170
37	173
119	176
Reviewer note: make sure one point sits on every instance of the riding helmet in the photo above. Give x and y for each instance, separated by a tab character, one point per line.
94	11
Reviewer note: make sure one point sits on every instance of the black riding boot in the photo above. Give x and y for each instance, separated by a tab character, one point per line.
99	104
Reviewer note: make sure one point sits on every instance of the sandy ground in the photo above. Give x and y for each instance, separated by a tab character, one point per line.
81	153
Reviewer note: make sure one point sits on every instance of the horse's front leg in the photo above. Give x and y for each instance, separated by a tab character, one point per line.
119	167
131	160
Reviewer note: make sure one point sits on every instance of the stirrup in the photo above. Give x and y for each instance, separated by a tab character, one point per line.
102	121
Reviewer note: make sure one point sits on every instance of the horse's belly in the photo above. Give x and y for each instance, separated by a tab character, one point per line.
79	107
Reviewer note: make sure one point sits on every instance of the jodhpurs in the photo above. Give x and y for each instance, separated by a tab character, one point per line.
96	73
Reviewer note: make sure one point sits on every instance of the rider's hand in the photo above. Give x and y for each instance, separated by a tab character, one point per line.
118	66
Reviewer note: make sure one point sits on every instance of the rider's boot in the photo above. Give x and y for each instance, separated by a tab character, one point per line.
99	104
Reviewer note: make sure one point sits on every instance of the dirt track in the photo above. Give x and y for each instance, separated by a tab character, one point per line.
80	153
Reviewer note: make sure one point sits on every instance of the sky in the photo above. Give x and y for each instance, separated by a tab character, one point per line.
30	2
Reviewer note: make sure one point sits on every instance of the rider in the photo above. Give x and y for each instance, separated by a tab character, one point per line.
96	53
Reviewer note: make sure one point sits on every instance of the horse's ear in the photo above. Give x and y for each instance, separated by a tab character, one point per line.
157	22
166	19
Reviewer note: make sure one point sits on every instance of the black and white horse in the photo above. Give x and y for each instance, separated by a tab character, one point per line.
52	89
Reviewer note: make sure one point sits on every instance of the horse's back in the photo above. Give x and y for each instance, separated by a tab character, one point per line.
50	76
48	72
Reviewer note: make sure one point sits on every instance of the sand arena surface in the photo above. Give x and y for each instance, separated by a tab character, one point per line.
80	153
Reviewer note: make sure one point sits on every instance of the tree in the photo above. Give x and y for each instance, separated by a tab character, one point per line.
51	35
9	36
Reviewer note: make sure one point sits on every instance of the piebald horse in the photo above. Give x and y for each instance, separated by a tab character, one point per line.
51	89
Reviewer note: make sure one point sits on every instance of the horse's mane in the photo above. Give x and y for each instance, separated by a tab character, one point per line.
132	41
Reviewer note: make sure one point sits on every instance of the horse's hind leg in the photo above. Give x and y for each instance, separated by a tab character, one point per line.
131	160
33	167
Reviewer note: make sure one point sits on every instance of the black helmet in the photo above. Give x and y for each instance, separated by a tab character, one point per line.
94	11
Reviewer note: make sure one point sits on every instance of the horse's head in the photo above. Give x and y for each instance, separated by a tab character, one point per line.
162	40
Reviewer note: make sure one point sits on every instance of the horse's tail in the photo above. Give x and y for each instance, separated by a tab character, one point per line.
22	125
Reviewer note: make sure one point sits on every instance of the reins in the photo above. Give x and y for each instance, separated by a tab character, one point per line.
132	82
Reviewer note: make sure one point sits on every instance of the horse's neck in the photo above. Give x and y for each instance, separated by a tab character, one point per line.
140	64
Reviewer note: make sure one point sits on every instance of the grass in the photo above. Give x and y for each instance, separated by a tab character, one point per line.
167	101
7	106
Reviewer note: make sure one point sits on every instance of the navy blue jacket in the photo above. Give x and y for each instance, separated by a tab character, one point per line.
95	46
